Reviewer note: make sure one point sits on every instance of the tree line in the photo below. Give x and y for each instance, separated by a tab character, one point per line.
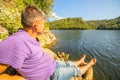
78	23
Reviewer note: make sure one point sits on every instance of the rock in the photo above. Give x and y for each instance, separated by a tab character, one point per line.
63	56
8	77
87	76
51	53
3	31
48	39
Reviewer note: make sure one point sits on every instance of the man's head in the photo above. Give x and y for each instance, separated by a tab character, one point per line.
33	18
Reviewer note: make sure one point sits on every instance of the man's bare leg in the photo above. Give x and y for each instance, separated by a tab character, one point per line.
81	61
87	66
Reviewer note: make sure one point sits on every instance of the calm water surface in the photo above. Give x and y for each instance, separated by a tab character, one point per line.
101	44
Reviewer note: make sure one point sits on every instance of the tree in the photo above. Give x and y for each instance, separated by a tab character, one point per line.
44	5
10	14
10	11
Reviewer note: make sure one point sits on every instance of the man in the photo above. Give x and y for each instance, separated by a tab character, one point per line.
22	51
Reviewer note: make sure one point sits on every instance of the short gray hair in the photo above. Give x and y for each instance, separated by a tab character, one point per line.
29	14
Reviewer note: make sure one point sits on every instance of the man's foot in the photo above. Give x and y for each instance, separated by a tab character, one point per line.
88	65
81	61
92	61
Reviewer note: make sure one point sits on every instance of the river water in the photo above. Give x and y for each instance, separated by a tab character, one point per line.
104	45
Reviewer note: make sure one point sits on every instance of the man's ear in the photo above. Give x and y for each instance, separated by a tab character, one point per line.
35	25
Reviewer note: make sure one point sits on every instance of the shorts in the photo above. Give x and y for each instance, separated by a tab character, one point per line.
65	70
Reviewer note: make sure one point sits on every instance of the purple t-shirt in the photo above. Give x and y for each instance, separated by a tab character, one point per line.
24	53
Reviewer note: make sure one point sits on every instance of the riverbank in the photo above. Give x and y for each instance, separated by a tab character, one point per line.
49	40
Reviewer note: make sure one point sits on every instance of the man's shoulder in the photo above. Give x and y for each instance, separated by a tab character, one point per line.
13	39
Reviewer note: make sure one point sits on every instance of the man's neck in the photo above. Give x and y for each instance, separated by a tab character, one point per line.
31	33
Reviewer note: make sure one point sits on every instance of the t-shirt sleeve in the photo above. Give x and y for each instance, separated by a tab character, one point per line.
13	52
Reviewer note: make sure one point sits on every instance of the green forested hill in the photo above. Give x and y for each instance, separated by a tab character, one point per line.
105	24
69	23
78	23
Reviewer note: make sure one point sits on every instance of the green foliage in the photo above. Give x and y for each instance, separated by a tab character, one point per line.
78	23
44	5
69	23
118	22
10	11
10	14
46	26
3	36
